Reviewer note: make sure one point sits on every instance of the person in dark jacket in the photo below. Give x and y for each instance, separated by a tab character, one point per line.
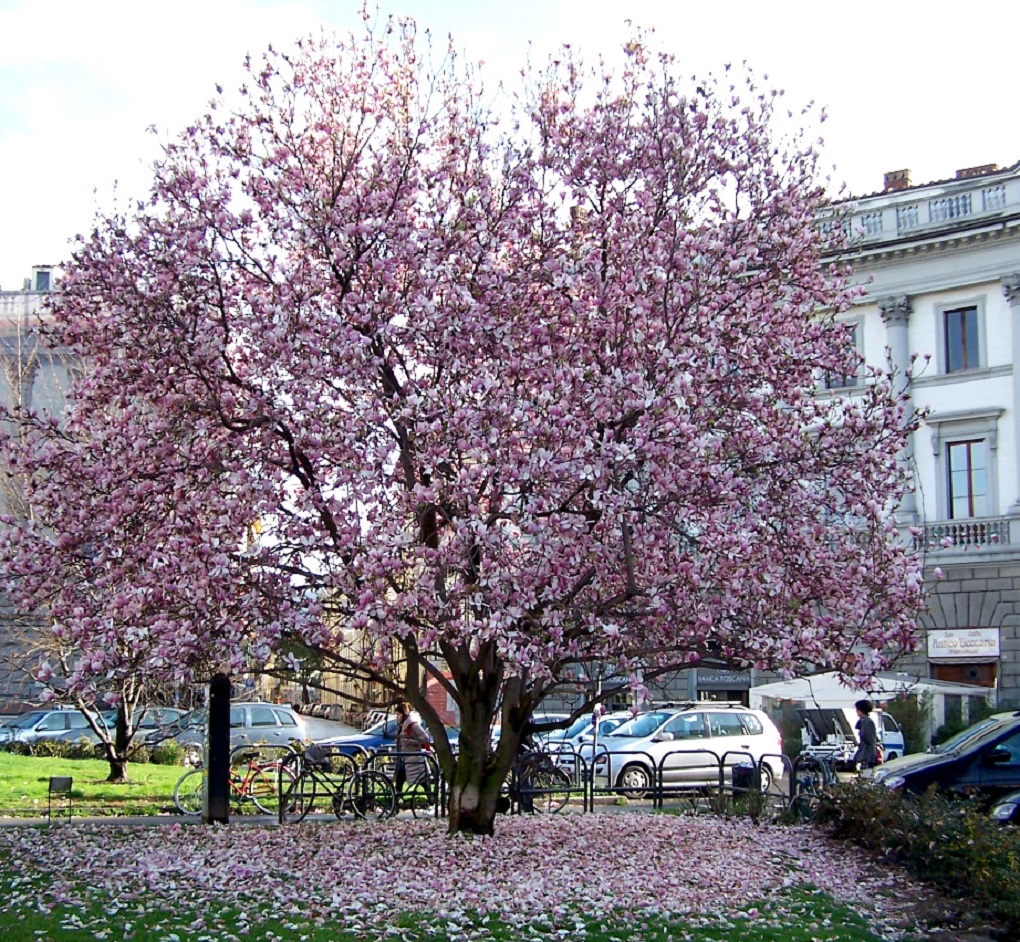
866	755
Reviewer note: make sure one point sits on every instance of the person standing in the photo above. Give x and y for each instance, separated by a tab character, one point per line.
411	740
866	755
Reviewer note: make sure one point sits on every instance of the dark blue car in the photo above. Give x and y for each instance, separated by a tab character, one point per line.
380	737
982	760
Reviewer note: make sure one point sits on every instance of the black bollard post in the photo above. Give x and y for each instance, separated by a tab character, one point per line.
217	752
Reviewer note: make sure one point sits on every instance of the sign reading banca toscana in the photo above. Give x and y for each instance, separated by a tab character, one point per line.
964	642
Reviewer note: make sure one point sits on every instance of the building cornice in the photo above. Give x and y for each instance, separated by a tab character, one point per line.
943	241
932	188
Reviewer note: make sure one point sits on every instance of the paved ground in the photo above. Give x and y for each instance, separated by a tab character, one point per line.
319	729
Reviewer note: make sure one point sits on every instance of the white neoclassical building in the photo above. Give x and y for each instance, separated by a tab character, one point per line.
940	265
32	376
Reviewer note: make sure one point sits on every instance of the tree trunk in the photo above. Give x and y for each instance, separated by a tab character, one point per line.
474	796
118	769
479	773
117	751
480	770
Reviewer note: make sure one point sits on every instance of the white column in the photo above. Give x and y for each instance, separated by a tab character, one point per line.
1011	289
895	313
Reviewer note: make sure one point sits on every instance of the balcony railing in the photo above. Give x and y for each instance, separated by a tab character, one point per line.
18	305
964	534
920	210
949	207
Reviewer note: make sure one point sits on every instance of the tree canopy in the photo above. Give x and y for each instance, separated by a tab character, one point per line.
503	387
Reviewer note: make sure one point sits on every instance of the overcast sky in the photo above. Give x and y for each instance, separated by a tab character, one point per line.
82	81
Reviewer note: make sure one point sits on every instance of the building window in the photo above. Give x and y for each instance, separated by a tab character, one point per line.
965	449
960	330
853	344
42	279
967	464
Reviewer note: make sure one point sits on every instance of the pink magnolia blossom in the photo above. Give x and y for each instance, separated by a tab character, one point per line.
496	403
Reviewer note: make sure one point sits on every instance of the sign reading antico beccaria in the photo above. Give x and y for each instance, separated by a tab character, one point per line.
964	642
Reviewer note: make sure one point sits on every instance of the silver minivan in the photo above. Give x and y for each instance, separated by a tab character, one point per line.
250	724
37	725
690	746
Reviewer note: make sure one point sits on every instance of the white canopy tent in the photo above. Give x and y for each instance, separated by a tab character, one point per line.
827	691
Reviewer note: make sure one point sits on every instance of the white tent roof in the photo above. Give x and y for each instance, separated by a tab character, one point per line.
828	691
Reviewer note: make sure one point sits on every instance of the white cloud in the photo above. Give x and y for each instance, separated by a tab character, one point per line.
81	82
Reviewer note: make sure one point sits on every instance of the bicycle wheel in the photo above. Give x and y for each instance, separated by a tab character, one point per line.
299	798
805	806
419	798
263	786
548	790
812	774
371	795
189	792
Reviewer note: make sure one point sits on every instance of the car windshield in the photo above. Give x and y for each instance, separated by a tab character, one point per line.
195	718
640	726
969	735
28	720
577	727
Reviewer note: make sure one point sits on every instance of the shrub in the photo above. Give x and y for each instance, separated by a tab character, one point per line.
978	709
167	752
18	748
57	749
952	843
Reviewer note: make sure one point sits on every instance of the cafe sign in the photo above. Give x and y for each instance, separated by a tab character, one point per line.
964	643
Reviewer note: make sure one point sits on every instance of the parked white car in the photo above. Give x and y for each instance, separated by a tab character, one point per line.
582	730
690	745
577	738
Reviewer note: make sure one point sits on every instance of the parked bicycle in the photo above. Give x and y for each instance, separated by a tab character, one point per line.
421	793
537	783
257	781
811	778
334	781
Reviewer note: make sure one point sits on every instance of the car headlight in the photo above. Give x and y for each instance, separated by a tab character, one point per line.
1004	812
892	781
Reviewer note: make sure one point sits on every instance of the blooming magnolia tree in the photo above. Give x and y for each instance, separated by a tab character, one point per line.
34	379
505	393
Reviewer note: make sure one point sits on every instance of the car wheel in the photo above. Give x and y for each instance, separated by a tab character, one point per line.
634	781
892	755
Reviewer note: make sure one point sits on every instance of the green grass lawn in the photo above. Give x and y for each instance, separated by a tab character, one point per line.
69	882
24	785
802	915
